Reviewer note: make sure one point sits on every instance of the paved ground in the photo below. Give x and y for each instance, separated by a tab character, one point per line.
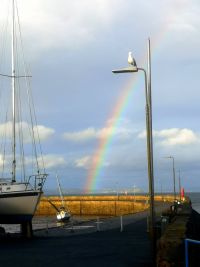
89	244
62	247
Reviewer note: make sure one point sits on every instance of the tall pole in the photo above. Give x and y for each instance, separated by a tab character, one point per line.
13	95
174	179
174	175
133	68
179	179
150	144
117	190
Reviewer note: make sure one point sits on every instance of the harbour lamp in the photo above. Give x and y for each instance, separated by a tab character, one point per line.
147	76
174	177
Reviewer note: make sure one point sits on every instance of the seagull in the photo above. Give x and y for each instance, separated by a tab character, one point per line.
131	61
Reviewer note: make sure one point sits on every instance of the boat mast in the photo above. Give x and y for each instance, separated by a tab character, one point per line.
60	191
13	95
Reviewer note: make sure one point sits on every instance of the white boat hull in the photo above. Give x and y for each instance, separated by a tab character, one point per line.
18	207
63	216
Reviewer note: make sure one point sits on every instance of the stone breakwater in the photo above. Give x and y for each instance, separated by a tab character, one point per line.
182	223
98	205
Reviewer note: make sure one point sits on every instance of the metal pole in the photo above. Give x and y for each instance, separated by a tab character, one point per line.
98	227
150	145
186	253
117	191
13	95
133	68
121	224
174	179
179	179
187	241
174	176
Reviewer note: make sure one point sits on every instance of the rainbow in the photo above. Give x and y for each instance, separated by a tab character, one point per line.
104	144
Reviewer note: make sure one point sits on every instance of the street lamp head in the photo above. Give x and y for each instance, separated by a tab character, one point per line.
126	70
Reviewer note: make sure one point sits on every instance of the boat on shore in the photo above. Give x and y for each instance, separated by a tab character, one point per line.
22	172
63	213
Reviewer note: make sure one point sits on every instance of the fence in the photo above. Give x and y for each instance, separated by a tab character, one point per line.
187	240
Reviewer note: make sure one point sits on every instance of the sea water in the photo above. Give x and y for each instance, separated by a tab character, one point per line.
195	199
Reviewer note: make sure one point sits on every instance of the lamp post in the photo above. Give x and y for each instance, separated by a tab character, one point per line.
147	78
179	182
134	193
117	190
174	177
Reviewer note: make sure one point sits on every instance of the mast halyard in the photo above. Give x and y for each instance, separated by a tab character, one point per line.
13	95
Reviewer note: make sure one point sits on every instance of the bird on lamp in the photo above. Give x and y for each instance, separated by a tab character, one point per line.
131	60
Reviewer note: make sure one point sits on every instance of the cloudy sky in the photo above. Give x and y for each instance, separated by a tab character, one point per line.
72	46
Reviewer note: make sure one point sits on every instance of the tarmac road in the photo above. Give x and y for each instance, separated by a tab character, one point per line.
85	247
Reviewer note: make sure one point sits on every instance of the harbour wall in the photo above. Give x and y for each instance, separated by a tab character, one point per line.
98	205
176	225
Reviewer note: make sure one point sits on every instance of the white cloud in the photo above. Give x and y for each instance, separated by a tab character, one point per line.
80	136
174	136
43	131
121	133
142	134
87	162
183	27
67	23
83	162
177	136
52	161
187	20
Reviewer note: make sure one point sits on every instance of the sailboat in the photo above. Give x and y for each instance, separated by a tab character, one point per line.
21	176
62	214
